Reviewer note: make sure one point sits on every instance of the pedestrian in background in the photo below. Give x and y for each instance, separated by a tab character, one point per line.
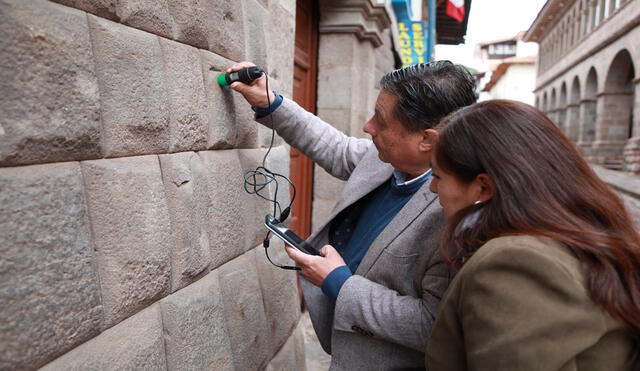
550	259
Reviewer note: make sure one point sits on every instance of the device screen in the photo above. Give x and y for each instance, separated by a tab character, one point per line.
294	237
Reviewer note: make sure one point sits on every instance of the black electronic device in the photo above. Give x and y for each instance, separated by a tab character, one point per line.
245	75
288	235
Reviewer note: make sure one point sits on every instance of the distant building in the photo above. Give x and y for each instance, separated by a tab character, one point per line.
587	80
510	69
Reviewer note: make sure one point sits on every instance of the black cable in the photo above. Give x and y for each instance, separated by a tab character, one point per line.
256	181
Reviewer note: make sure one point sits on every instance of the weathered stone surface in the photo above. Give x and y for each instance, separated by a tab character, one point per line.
280	45
256	43
190	22
101	8
226	205
289	6
187	193
194	327
130	224
49	295
291	356
133	97
187	101
49	106
280	287
244	312
221	104
225	26
248	128
148	15
257	208
135	344
278	162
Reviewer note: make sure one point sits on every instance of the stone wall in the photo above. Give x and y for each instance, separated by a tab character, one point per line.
127	240
602	72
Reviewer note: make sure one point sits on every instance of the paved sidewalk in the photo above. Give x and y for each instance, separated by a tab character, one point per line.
317	359
627	185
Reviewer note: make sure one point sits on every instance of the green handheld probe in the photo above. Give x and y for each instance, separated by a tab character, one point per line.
245	75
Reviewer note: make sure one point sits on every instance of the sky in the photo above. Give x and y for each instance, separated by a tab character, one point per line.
491	20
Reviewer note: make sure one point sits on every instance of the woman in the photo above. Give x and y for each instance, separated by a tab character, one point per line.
549	259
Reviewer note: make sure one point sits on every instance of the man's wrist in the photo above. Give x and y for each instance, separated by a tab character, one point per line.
333	282
264	111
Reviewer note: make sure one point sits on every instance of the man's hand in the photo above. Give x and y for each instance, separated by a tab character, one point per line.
256	92
316	268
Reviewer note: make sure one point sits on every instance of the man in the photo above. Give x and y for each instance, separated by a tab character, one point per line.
373	299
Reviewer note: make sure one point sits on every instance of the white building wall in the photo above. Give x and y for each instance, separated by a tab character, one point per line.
516	84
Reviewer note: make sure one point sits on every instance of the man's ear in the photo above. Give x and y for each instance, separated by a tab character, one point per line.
487	187
429	139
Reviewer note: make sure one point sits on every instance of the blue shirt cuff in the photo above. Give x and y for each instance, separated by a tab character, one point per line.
264	111
333	282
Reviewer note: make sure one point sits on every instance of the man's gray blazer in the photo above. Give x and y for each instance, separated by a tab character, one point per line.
384	312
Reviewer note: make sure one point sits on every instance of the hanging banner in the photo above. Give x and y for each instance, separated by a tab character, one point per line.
413	42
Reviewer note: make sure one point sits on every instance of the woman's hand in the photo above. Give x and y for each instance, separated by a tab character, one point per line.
316	268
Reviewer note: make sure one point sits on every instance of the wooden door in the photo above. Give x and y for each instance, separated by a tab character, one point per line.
304	93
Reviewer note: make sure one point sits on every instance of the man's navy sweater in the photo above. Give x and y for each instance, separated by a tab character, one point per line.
379	208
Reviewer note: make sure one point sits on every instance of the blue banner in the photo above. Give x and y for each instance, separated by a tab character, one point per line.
413	42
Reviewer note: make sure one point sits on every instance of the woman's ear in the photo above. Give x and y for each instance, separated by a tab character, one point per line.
429	139
487	187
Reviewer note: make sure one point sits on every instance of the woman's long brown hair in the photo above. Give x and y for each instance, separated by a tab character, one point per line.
544	187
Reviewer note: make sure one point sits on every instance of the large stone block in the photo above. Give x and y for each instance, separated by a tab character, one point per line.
187	193
244	312
221	104
135	344
187	100
256	43
291	356
279	286
248	129
225	26
130	224
194	327
133	95
148	15
256	208
278	162
280	45
289	6
49	106
49	294
226	205
101	8
190	22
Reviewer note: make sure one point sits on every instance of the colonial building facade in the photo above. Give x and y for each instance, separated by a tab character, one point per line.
587	80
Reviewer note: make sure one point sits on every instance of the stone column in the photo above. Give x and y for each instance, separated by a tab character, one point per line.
561	116
612	130
354	50
587	126
553	115
632	148
573	122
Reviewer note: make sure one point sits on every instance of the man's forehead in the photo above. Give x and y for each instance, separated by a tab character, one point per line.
385	102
